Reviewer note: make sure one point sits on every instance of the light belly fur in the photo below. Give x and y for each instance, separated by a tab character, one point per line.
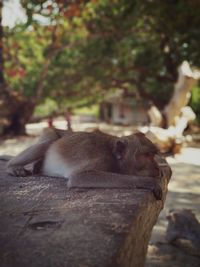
54	165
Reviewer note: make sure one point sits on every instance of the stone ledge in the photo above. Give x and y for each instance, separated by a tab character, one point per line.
42	224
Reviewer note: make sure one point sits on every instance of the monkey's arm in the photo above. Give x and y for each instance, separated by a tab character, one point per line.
100	179
34	153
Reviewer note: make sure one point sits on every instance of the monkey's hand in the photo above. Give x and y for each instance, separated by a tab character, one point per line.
154	187
157	191
18	171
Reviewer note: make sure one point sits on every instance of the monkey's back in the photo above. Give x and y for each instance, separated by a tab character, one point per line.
81	151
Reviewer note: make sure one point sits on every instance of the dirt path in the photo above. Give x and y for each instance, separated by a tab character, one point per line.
184	192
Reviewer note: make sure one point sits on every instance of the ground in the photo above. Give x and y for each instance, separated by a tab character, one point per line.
184	191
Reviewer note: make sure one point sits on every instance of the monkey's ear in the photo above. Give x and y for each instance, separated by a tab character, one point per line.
119	149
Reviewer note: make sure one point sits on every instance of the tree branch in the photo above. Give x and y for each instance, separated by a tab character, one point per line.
44	72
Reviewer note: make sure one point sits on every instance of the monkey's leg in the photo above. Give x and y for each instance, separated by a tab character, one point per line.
6	157
52	134
99	179
62	133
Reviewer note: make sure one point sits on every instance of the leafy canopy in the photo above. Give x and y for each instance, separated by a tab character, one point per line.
76	51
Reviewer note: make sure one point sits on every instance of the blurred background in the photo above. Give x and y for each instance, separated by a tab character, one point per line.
117	65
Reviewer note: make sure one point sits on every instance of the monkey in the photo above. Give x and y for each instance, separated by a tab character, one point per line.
92	160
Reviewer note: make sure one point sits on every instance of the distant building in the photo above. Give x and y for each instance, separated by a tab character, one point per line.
118	109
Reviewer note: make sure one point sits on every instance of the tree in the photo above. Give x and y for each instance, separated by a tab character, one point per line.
30	50
142	45
11	102
85	48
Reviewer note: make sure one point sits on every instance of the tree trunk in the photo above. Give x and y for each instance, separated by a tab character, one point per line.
1	46
176	114
186	81
19	119
15	109
15	112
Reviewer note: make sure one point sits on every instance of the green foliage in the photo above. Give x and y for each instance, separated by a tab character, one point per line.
74	52
25	57
91	110
48	107
195	101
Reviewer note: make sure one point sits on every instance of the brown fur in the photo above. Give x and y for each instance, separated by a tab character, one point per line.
74	153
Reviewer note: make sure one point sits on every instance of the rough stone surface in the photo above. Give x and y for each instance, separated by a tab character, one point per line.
43	224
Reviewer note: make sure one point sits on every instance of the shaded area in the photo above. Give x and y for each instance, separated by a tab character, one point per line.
184	193
162	254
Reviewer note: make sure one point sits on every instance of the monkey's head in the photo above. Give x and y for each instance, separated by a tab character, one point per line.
136	155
